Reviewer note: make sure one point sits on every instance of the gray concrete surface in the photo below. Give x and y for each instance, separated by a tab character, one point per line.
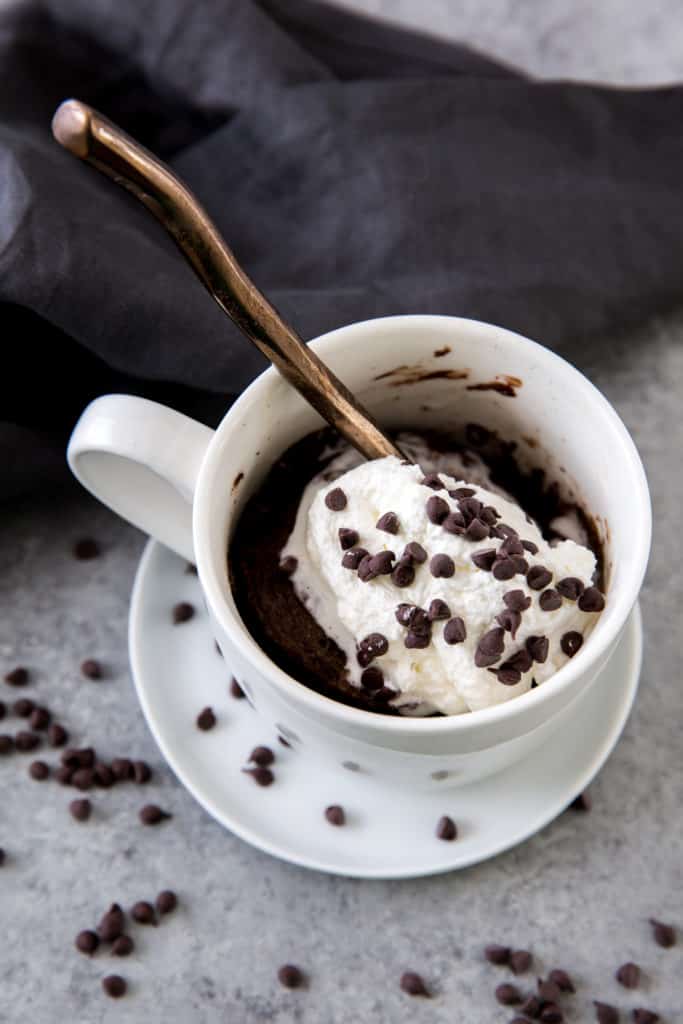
579	894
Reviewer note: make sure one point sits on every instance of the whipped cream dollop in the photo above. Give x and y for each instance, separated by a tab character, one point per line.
440	590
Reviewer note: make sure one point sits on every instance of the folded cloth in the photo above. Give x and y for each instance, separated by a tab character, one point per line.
357	170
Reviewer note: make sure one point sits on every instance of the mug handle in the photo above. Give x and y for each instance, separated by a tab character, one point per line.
142	460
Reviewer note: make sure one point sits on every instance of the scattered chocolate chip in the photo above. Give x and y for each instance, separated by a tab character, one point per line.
24	707
520	961
516	600
549	601
288	565
83	778
551	1014
548	991
415	551
538	647
442	566
503	569
17	677
412	984
3	709
628	975
605	1014
477	435
143	912
437	610
335	500
485	559
262	756
571	642
562	980
529	546
91	669
2	856
87	942
6	744
388	523
79	758
455	631
85	549
538	578
103	775
510	620
63	775
403	574
490	647
347	538
642	1016
663	934
236	690
206	719
532	1006
372	679
122	769
446	828
261	776
284	742
114	985
437	509
182	612
455	523
57	735
591	600
39	718
335	815
39	770
498	955
462	492
142	772
432	480
508	995
25	741
166	901
582	802
80	809
150	814
290	976
123	946
112	923
570	587
190	569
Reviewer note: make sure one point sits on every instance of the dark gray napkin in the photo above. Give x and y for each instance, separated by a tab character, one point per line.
356	170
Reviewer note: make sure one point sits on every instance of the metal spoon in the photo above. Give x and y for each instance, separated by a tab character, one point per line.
93	138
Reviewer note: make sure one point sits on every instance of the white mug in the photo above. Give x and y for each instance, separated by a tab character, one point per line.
186	485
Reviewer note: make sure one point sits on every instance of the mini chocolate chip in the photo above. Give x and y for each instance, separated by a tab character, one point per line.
57	735
91	669
142	772
477	435
520	961
470	508
551	1014
123	946
442	566
83	778
532	1006
508	995
39	771
381	564
591	600
571	642
432	480
490	647
335	500
476	530
288	565
582	802
549	991
642	1016
63	775
352	558
6	744
114	985
503	569
415	551
605	1014
412	984
498	955
80	809
347	538
261	776
206	719
549	601
538	647
104	776
446	828
87	942
628	975
150	814
122	769
562	980
516	600
182	612
372	678
78	758
529	546
489	515
404	613
23	707
485	559
290	976
570	587
17	677
455	631
438	609
143	912
335	815
507	676
262	756
415	641
521	565
538	577
403	574
388	523
40	718
236	690
85	549
663	934
111	923
510	620
511	546
520	660
166	901
454	523
25	741
437	509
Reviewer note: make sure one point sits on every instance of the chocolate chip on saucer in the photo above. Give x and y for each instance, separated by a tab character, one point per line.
335	815
57	735
628	975
642	1016
123	946
182	612
412	983
91	668
508	995
39	770
17	676
143	912
150	814
290	976
520	961
236	690
166	901
206	719
562	979
663	934
80	810
497	954
261	776
114	986
446	829
85	549
605	1013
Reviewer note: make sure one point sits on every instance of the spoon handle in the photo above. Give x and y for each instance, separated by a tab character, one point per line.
93	138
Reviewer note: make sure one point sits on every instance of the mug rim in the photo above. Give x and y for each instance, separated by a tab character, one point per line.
212	576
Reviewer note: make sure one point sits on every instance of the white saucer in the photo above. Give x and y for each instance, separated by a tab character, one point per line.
178	671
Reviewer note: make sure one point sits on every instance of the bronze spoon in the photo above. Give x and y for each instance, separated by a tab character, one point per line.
93	138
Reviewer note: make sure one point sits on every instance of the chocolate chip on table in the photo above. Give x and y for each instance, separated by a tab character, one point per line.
508	995
455	631
351	559
402	574
91	669
516	600
582	802
437	610
538	577
262	756
389	523
261	776
562	980
485	559
335	815
87	942
432	480
415	551
143	912
549	991
142	772
290	976
347	538
335	500
17	676
372	678
571	642
236	690
663	934
437	509
63	775
289	565
39	718
497	954
551	1014
206	719
80	810
103	775
151	814
57	735
83	778
84	757
123	946
446	828
39	770
510	620
591	600
122	769
490	647
605	1014
25	741
85	549
538	647
570	587
6	744
643	1016
412	984
520	961
628	975
166	901
114	985
24	707
442	566
182	612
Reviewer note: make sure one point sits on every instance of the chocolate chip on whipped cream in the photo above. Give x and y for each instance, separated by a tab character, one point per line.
336	500
347	538
438	609
388	523
414	551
